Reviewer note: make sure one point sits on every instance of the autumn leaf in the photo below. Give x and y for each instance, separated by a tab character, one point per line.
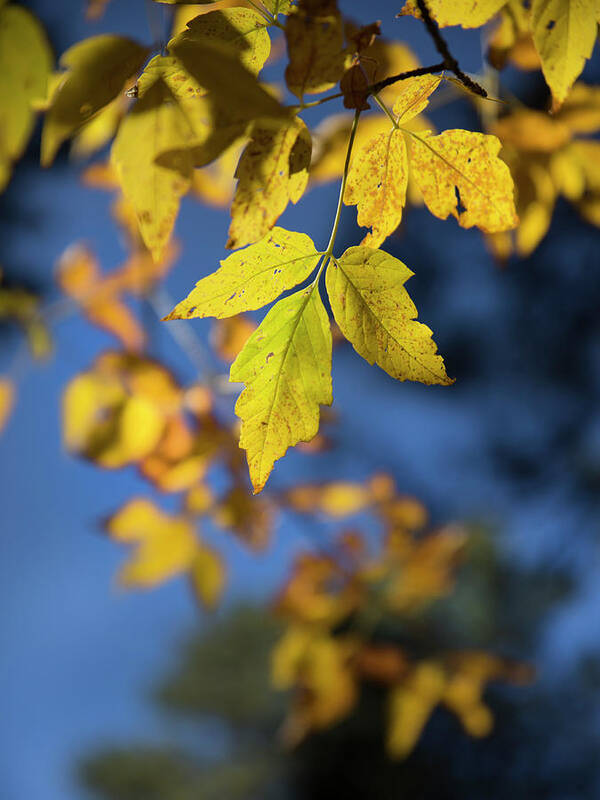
101	296
228	336
375	313
459	173
377	182
208	576
286	366
155	124
100	129
564	32
410	706
251	278
272	171
165	544
467	13
234	91
241	31
315	41
25	64
378	175
116	413
7	396
97	69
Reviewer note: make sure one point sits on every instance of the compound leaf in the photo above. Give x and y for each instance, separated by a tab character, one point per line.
459	173
286	366
375	313
251	278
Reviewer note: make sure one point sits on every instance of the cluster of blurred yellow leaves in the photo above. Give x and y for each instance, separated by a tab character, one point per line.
332	604
550	156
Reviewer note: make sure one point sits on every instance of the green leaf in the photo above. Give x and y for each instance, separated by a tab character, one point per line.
286	366
272	171
156	123
375	313
240	30
25	64
97	70
251	278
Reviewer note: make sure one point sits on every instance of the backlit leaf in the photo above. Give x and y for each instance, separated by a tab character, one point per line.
459	173
273	169
564	32
286	366
251	278
155	124
413	96
97	69
377	182
375	313
25	64
241	30
468	13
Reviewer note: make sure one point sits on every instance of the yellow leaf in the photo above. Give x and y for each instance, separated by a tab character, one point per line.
273	169
234	91
228	336
467	163
411	705
214	184
468	13
99	130
208	576
239	30
330	142
377	182
165	543
581	110
315	43
286	366
25	64
564	32
7	396
116	413
532	131
155	124
375	313
413	96
251	278
97	70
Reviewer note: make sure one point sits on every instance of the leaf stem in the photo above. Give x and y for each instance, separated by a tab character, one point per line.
338	211
386	110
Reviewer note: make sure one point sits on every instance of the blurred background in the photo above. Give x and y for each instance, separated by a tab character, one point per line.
131	695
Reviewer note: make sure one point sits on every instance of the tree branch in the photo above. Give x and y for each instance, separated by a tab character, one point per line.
449	63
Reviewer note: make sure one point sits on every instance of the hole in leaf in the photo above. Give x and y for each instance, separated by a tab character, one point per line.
459	205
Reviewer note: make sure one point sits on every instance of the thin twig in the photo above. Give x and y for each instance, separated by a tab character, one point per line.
449	63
